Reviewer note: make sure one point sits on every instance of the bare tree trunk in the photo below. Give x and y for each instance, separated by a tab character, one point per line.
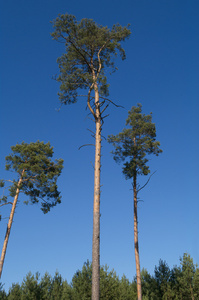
3	253
137	259
96	204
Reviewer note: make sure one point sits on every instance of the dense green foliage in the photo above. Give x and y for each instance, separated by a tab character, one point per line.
90	49
33	164
133	144
178	283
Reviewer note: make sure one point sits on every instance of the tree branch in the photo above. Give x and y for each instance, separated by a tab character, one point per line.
98	56
91	131
111	102
5	203
104	109
146	182
88	101
91	119
105	116
85	145
8	180
76	48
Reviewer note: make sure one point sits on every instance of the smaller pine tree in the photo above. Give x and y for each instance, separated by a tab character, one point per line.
37	178
132	146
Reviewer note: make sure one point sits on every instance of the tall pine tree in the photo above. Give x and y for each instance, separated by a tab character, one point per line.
89	52
132	146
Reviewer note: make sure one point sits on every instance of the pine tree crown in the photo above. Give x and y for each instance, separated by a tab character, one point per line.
135	143
33	164
90	51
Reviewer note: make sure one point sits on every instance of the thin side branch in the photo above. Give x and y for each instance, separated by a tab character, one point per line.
8	180
104	137
91	119
146	182
105	108
111	102
6	203
92	165
58	109
76	48
85	145
91	131
105	116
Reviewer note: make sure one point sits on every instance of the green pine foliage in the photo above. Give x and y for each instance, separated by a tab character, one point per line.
15	292
82	282
179	283
133	144
187	278
3	295
89	50
39	173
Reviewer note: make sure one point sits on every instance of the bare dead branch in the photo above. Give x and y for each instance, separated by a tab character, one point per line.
58	109
92	165
85	145
6	203
146	182
105	108
111	102
91	119
8	180
105	116
91	131
101	103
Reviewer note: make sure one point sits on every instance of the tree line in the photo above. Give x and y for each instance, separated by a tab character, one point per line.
179	283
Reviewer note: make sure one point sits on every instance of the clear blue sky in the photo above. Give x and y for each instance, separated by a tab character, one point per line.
161	72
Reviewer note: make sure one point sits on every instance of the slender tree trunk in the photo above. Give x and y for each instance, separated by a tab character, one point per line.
137	259
96	204
3	253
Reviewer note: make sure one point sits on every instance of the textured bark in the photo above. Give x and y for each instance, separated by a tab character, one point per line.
96	204
3	253
137	259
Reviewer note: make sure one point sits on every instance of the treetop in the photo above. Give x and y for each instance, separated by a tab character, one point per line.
133	144
37	171
89	49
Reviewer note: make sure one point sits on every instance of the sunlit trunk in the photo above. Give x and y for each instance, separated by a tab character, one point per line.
137	259
96	204
3	253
